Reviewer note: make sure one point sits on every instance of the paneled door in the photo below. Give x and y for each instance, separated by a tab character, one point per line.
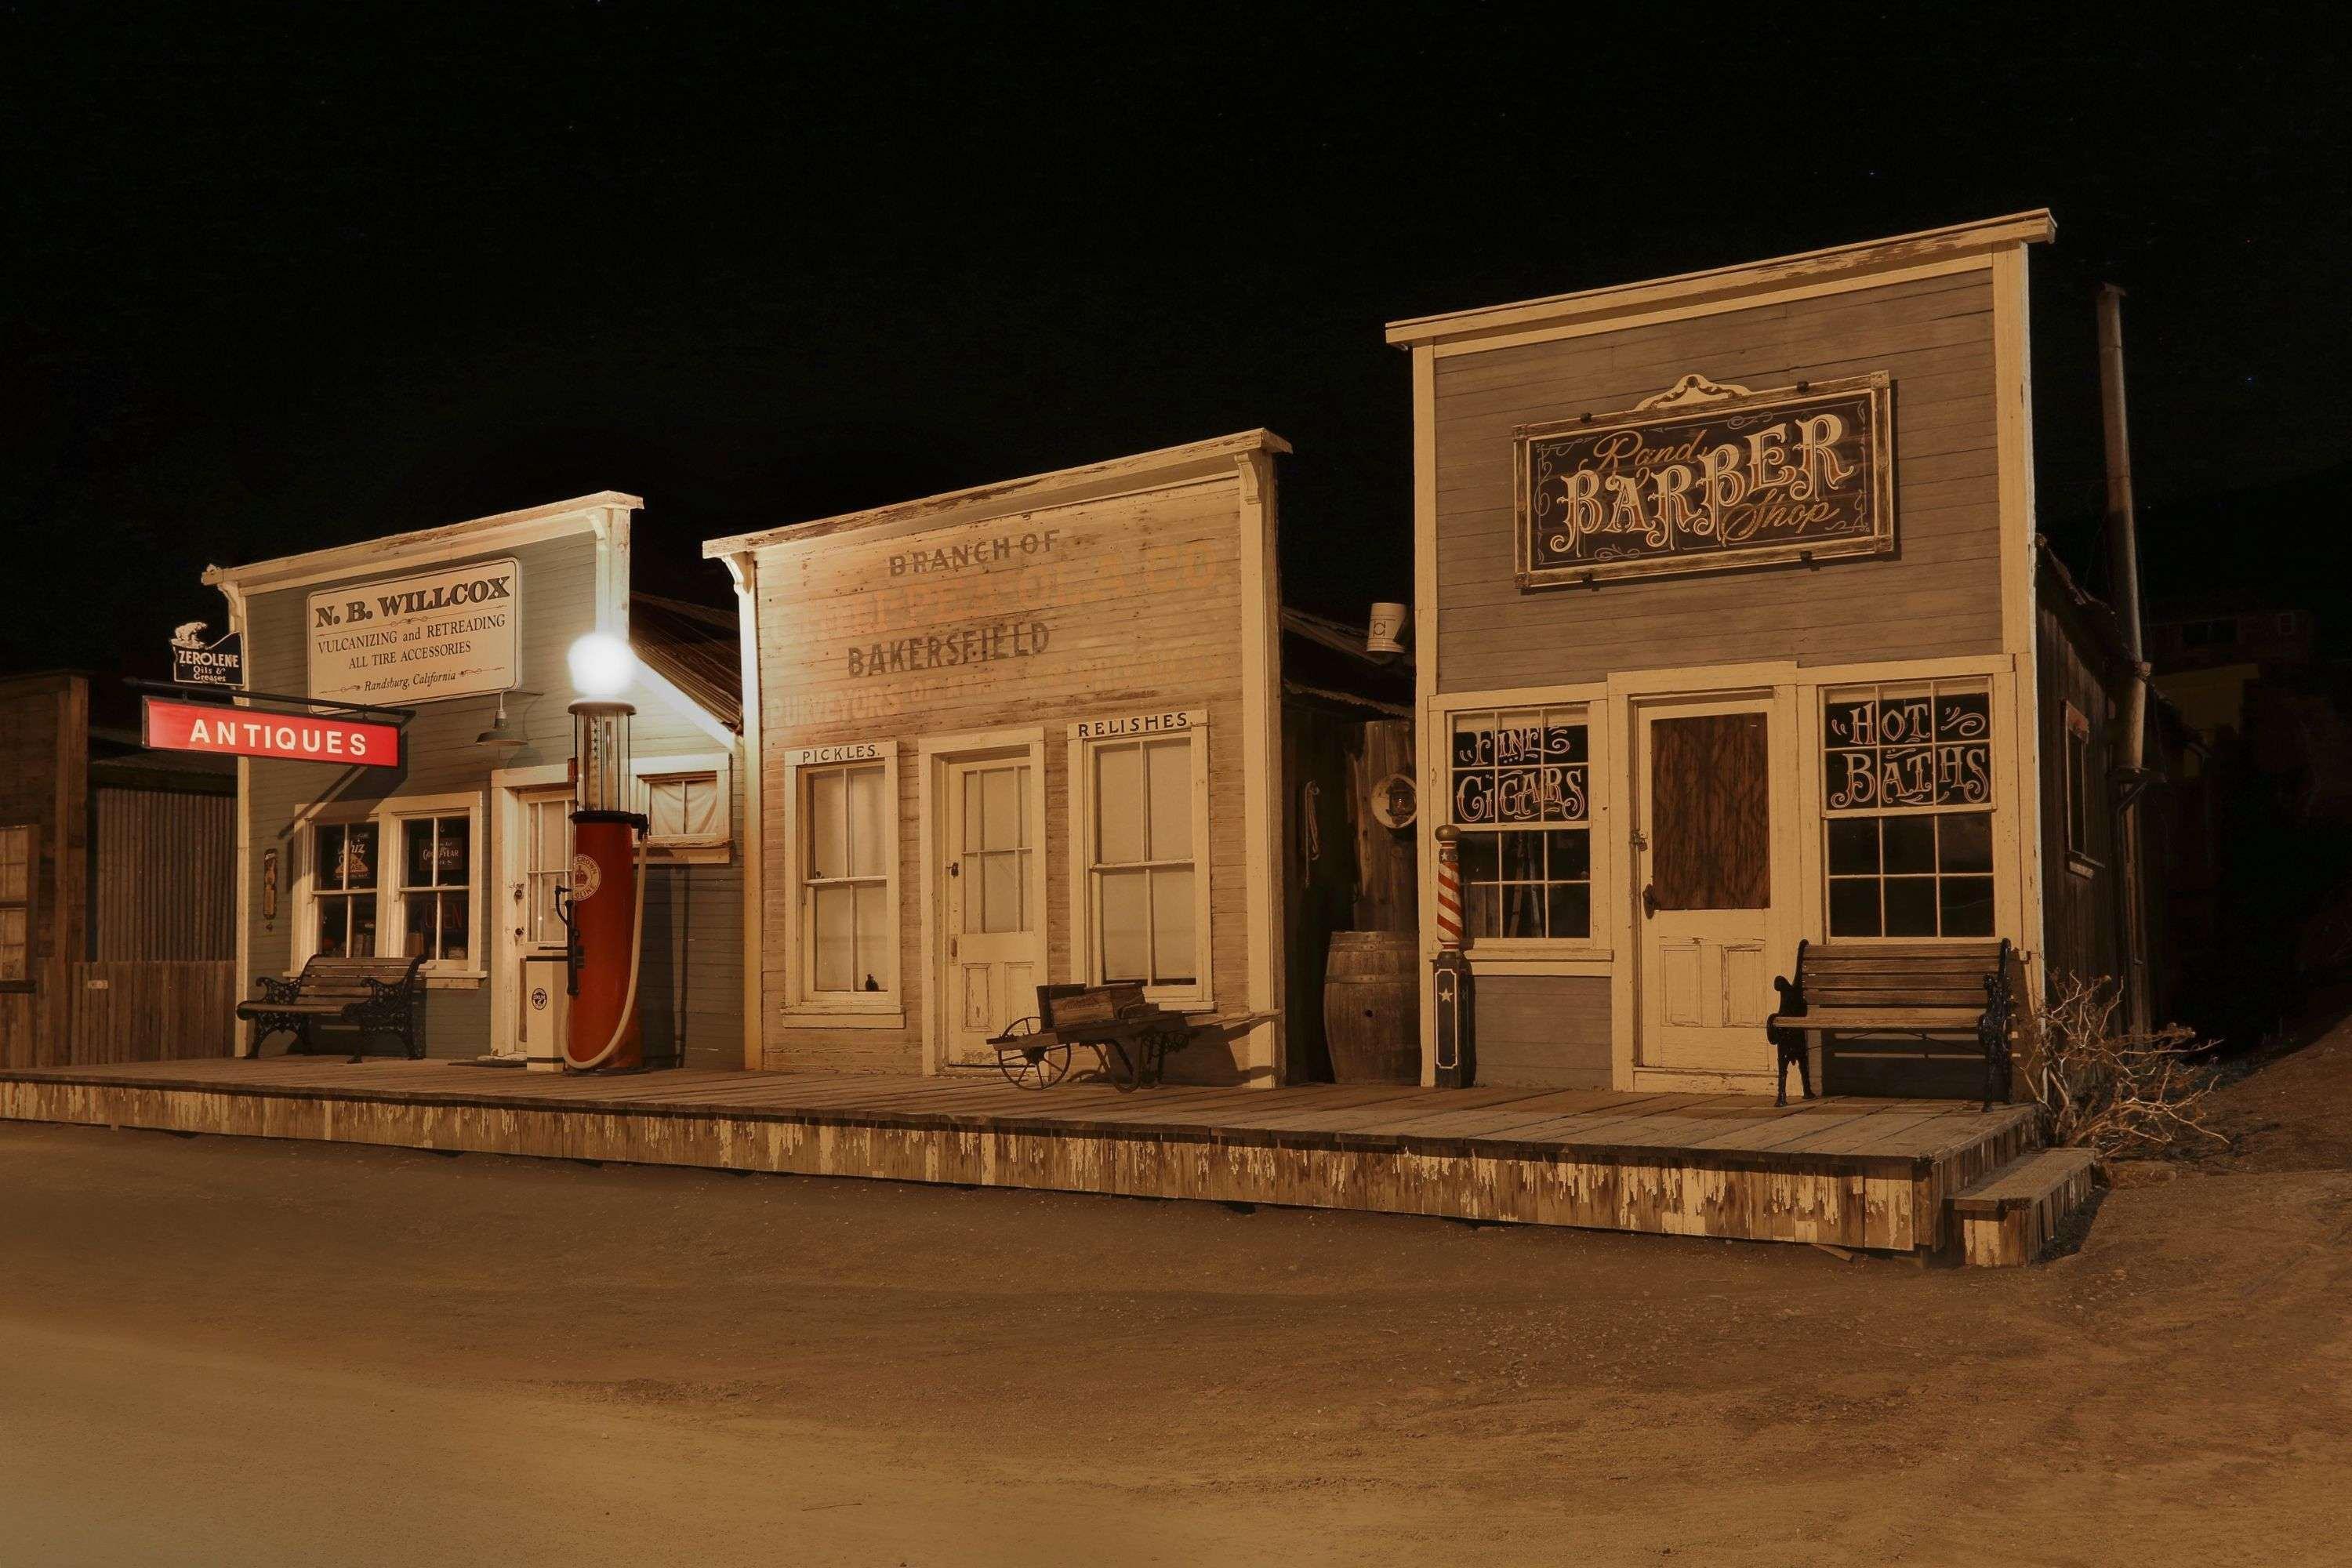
537	858
1704	859
991	916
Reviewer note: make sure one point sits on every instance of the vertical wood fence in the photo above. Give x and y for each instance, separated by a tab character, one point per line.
150	1012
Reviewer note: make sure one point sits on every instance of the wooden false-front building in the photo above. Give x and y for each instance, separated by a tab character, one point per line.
455	855
1726	600
115	885
1013	735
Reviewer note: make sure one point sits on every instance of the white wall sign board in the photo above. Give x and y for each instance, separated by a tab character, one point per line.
447	633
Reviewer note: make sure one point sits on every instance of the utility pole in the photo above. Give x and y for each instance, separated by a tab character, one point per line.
2123	542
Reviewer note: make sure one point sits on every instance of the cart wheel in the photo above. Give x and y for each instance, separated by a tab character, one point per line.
1030	1067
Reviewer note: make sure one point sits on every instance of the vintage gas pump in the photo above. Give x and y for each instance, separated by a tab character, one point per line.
603	901
1457	1062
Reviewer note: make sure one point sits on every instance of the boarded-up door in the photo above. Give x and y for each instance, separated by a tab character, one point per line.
1706	887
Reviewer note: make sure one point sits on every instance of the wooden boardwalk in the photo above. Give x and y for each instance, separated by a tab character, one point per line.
1851	1172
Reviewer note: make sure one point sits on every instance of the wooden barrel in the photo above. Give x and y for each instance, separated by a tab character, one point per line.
1372	1006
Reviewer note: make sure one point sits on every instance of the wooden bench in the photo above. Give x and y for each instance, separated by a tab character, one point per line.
371	996
1917	990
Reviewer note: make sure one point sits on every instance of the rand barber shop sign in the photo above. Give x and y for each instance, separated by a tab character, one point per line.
1705	478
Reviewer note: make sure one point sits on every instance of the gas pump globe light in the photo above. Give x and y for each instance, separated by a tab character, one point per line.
602	665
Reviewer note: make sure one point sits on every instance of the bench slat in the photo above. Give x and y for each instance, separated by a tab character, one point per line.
1841	1019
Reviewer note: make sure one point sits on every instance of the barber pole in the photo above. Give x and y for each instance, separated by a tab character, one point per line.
1455	1068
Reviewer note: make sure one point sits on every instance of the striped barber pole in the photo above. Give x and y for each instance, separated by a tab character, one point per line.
1449	893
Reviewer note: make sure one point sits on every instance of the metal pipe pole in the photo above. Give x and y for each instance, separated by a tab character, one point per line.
2123	542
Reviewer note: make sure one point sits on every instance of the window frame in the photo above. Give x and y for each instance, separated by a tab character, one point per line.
391	816
31	904
1992	807
686	849
2076	785
1595	713
1086	951
802	1005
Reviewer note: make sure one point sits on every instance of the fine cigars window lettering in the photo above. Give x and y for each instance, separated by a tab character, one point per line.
1705	478
1907	778
1519	785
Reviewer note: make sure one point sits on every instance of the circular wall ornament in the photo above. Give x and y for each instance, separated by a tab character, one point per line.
587	877
1396	801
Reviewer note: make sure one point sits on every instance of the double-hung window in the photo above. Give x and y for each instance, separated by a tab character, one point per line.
1142	840
844	890
437	889
20	868
403	882
1519	793
1908	789
344	891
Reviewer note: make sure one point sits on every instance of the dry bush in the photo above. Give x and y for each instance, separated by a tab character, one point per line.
2128	1096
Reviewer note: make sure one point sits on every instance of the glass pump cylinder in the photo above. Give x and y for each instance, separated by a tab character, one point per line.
600	755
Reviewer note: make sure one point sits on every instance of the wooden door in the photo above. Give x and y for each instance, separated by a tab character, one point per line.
990	917
536	859
1705	868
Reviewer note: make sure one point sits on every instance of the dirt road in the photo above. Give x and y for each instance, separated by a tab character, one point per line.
237	1351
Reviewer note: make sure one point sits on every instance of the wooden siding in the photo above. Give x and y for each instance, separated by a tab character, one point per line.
44	763
2080	914
1141	596
161	871
1543	1030
1940	596
152	1012
693	915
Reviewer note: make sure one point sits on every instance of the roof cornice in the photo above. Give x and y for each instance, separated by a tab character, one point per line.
1753	278
1063	486
498	530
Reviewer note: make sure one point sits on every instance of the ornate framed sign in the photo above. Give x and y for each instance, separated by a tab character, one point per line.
1705	478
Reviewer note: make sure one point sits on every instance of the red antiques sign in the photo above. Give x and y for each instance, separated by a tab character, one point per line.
248	733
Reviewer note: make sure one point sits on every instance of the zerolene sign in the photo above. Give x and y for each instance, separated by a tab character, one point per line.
447	633
1705	478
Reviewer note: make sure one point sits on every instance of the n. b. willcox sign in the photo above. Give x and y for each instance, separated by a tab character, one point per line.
1704	478
450	633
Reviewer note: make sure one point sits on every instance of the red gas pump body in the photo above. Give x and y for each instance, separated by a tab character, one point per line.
603	905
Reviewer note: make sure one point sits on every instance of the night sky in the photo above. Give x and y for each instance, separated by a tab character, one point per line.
272	286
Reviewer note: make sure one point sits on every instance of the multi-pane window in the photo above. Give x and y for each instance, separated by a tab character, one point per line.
18	859
845	880
1519	791
992	856
343	887
436	887
1907	783
1143	871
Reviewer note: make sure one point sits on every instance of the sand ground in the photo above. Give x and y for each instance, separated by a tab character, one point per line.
234	1351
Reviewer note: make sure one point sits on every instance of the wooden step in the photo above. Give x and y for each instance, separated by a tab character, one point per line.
2013	1215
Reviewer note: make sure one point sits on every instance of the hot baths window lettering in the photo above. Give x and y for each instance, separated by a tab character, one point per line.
1907	783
